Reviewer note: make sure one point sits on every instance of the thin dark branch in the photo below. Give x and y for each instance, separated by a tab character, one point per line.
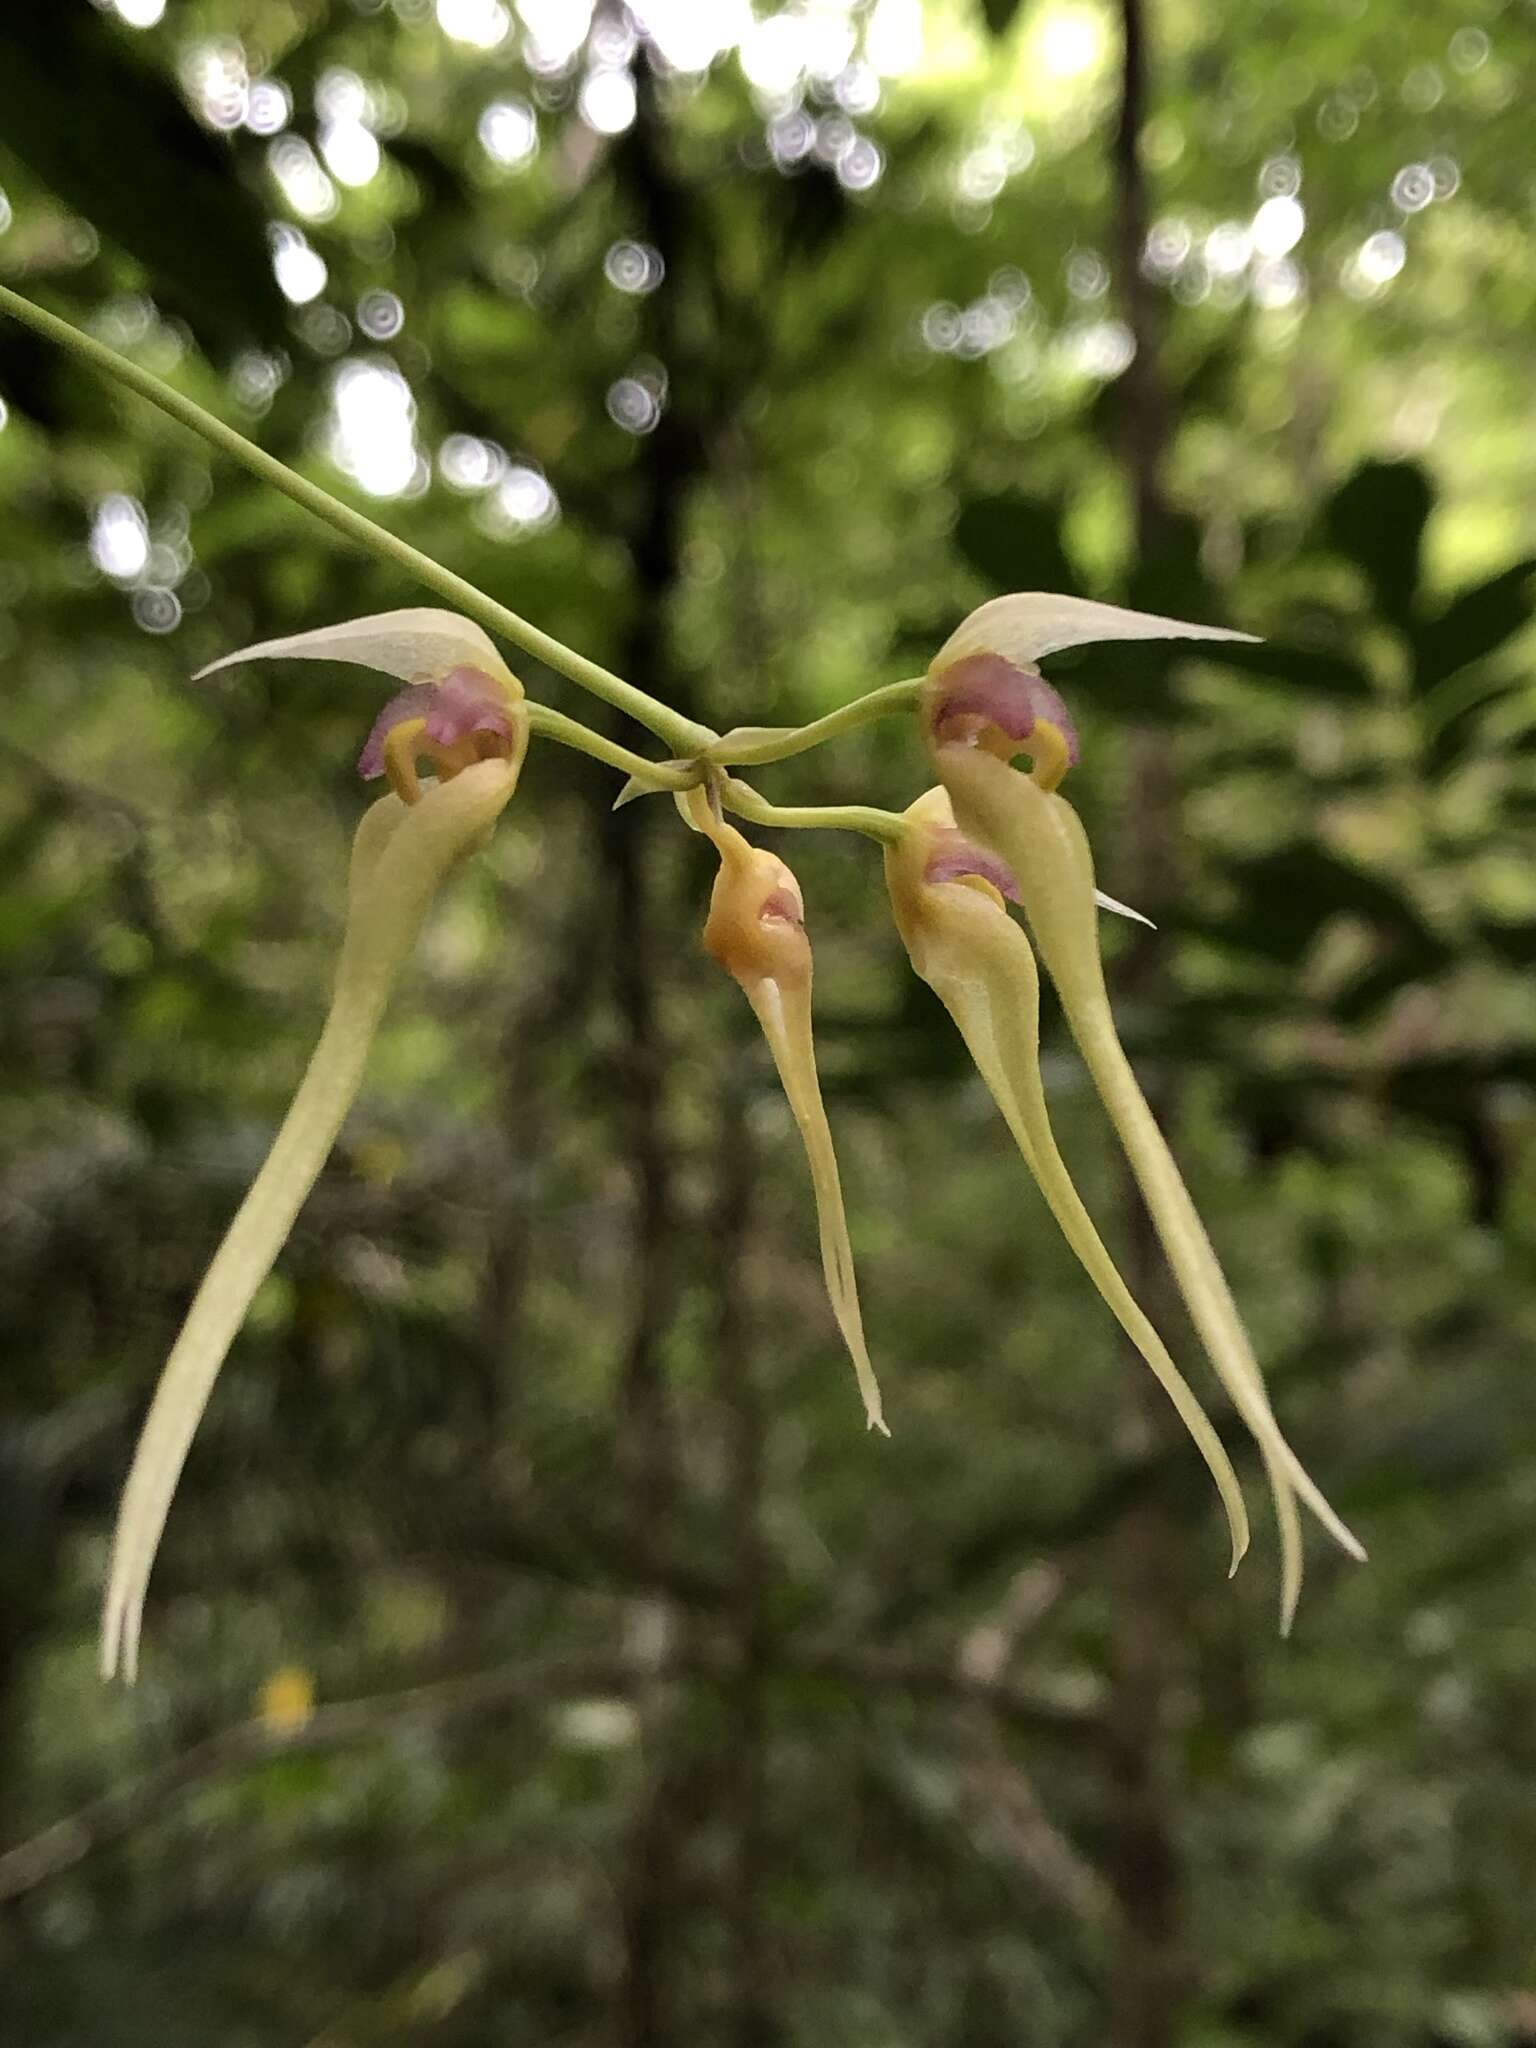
878	1670
745	1774
122	1811
1146	417
480	1697
1143	1860
670	464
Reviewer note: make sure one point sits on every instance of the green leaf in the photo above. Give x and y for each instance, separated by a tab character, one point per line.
1515	944
1126	680
1408	963
111	137
1170	577
1309	669
1477	622
1211	382
1289	895
1377	519
1014	541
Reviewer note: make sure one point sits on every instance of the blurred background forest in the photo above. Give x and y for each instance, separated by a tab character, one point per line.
541	1652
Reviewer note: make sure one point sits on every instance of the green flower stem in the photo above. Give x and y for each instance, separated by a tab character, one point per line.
884	826
566	732
681	734
750	746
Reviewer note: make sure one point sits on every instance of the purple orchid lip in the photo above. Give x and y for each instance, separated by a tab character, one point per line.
1015	700
782	907
954	857
464	702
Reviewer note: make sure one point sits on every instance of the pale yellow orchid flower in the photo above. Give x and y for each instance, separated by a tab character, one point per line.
984	702
948	899
756	931
463	713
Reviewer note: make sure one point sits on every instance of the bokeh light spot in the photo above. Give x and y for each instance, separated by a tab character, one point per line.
301	271
467	463
509	131
607	101
1071	41
156	610
556	31
1413	188
893	37
481	24
1280	177
1470	49
1228	249
303	183
351	153
380	315
119	541
861	164
633	405
633	267
372	435
267	107
1278	226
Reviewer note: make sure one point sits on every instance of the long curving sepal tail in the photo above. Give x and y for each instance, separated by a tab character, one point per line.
400	854
980	965
1041	837
784	1011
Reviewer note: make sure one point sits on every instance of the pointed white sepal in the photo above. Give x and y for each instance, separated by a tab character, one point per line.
418	645
1122	909
1032	623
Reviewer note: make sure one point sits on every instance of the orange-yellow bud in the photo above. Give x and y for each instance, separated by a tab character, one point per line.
756	924
756	931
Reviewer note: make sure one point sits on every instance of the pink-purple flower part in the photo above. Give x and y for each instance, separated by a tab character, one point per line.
1015	700
466	701
782	907
954	857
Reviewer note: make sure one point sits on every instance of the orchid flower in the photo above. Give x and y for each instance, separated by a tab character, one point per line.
983	702
756	931
948	898
463	712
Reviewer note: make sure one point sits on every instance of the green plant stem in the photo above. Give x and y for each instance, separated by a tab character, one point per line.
700	773
751	746
884	826
681	734
566	732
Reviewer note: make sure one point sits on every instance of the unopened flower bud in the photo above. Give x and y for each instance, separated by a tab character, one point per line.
756	931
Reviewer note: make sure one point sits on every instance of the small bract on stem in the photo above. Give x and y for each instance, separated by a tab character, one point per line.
989	836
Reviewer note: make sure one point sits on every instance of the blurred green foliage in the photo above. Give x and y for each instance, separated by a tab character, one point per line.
655	1702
